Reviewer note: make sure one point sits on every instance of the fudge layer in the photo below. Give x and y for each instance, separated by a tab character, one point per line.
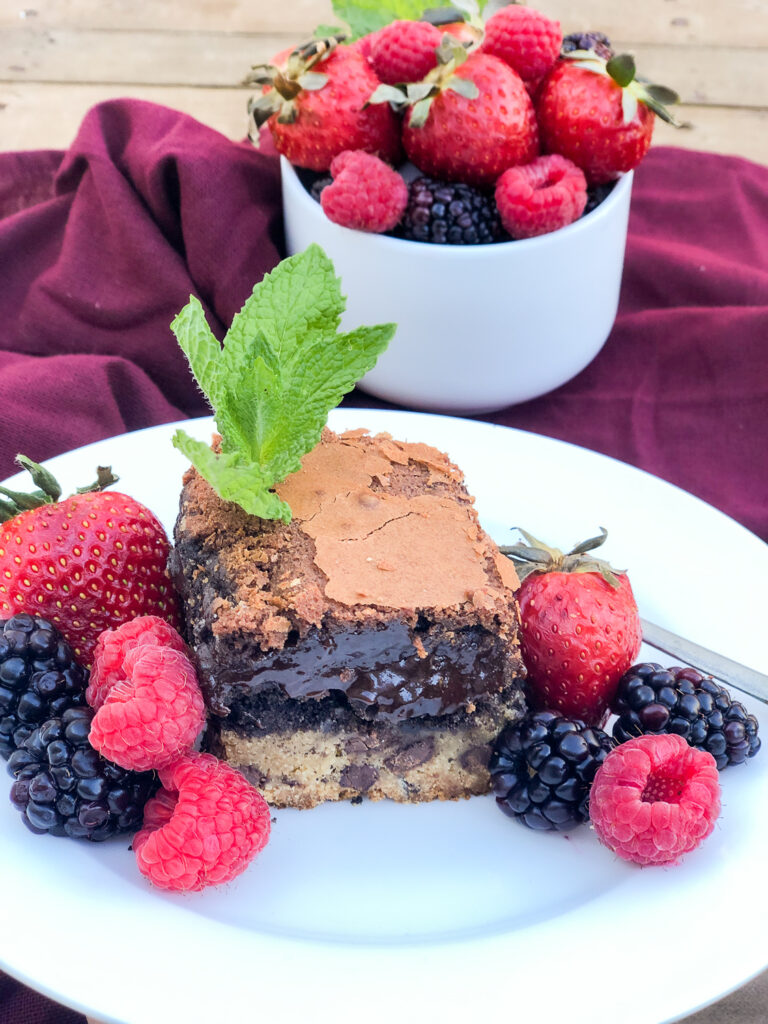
368	647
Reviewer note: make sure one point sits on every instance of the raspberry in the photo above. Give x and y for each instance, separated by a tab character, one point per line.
450	213
404	51
542	770
203	828
113	645
651	699
654	799
39	678
365	194
154	713
541	196
526	40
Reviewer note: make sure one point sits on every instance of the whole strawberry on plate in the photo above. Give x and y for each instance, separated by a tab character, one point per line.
596	113
580	627
316	106
85	563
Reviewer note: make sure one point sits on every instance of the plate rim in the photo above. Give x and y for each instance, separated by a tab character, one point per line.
473	424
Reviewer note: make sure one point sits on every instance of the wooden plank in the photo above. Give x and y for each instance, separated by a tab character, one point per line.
739	23
723	76
34	116
26	121
143	58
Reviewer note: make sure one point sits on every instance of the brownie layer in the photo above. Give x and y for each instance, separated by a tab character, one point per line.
367	648
383	587
301	753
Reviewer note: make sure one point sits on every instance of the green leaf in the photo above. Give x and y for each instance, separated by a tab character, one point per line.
41	477
282	367
323	31
8	510
420	112
661	94
388	94
312	81
628	106
621	68
364	16
25	501
464	87
233	478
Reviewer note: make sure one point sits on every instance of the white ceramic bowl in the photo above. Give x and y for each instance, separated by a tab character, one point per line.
480	327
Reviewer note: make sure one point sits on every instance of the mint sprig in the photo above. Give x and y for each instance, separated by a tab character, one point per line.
364	16
282	367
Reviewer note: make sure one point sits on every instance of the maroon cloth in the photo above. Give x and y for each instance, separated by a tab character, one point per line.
101	246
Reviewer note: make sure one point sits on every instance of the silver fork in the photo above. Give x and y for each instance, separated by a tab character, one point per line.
747	680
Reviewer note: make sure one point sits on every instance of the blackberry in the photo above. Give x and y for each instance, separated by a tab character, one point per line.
542	770
594	41
313	181
317	186
39	678
64	787
652	699
597	194
450	213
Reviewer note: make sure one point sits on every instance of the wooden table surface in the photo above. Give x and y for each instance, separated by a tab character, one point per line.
59	57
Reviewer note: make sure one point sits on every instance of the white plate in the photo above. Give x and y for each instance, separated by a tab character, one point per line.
439	912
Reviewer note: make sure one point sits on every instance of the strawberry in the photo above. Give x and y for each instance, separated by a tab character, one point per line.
580	627
595	113
85	563
316	106
471	118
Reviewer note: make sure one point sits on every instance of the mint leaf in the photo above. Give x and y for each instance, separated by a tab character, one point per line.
364	16
282	368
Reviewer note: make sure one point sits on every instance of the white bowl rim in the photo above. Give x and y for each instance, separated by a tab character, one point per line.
444	251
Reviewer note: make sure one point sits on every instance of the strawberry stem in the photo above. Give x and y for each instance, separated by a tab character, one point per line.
48	490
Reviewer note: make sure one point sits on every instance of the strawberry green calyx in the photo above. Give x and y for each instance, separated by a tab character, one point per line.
47	489
287	83
451	54
282	367
536	557
621	68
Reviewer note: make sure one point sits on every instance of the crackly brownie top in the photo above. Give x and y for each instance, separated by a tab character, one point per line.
380	528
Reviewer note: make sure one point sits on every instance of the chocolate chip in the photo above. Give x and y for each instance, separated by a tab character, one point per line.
355	745
359	777
360	744
476	757
254	776
411	757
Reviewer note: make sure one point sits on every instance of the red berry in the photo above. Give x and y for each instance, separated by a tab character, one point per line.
154	714
337	116
203	828
579	636
581	116
404	51
365	193
86	564
523	38
580	627
541	196
113	645
475	140
654	799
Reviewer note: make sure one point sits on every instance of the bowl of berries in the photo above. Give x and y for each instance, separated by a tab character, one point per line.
471	181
